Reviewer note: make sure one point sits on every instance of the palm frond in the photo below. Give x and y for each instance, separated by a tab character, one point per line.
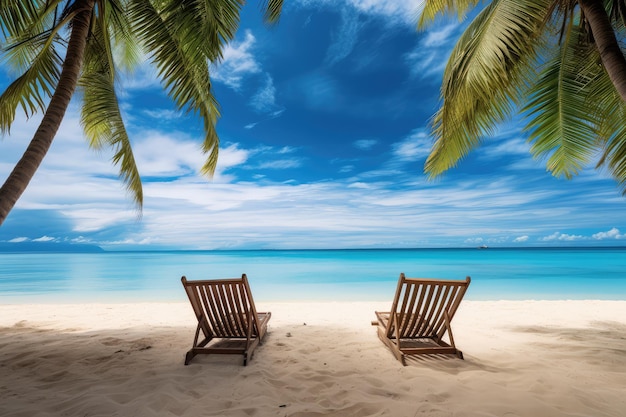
434	8
202	25
272	10
183	70
562	129
33	87
484	77
125	45
18	16
606	102
104	127
100	114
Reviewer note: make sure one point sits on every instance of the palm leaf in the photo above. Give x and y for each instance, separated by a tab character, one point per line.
604	100
100	114
18	16
562	129
34	86
486	71
183	70
432	8
202	25
272	10
125	46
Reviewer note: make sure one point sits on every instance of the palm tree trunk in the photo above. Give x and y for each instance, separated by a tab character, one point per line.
25	169
610	53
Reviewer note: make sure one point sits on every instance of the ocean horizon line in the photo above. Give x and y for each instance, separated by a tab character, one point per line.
61	247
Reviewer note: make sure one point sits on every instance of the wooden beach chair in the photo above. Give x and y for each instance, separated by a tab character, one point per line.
226	317
420	316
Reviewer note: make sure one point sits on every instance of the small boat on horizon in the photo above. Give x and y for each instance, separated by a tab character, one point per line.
483	247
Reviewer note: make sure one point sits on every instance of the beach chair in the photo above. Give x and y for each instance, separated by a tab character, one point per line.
420	316
226	317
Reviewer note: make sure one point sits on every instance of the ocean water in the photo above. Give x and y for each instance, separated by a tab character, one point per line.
288	275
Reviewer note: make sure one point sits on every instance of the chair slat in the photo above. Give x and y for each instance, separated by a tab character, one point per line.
225	310
417	311
212	310
438	309
403	316
423	309
444	307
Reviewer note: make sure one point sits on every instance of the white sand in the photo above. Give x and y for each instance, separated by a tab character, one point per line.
522	358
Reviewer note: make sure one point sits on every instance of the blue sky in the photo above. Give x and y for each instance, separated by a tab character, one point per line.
324	134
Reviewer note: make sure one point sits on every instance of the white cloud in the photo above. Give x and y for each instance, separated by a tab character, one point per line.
439	37
238	62
561	237
521	239
614	233
365	144
280	164
277	113
93	217
286	150
231	156
265	98
162	114
430	55
191	212
161	154
414	147
44	239
19	240
404	12
345	39
514	146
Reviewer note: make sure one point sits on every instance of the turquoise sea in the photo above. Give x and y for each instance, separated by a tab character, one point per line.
287	275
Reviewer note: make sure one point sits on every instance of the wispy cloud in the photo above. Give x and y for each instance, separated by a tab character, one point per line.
404	12
280	164
414	147
344	169
318	90
160	114
44	239
365	144
237	63
265	98
344	39
430	55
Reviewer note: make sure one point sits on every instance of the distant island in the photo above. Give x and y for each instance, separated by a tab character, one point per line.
51	247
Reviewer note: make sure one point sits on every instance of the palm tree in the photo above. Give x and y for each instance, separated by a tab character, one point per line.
558	62
101	38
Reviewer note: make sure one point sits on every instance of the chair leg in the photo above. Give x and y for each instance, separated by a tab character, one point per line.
189	356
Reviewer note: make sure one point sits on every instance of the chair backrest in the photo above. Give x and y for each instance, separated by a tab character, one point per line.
420	305
224	307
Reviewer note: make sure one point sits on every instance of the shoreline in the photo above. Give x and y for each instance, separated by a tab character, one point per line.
522	358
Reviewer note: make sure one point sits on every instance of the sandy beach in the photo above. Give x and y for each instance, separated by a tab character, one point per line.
522	358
